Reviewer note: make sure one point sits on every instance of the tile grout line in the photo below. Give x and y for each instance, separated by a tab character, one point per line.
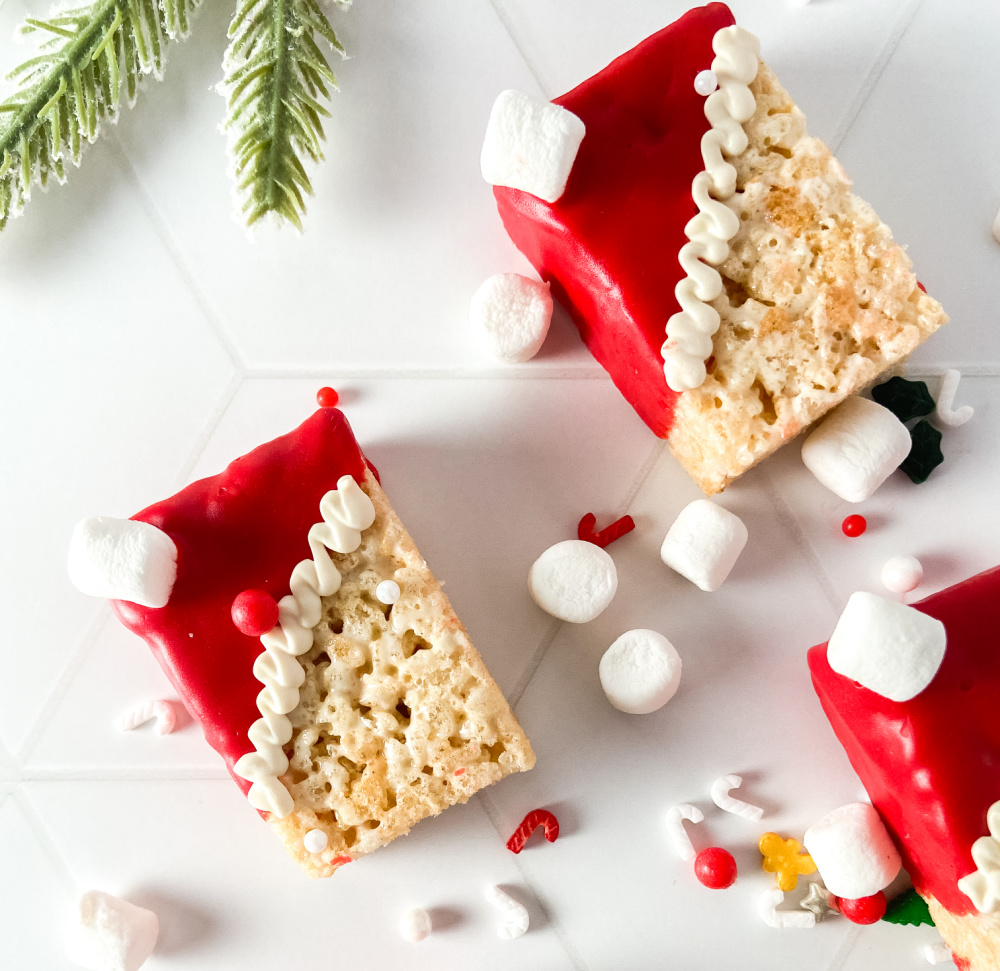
174	252
145	773
59	689
576	959
847	946
500	13
201	442
46	843
874	75
801	542
511	372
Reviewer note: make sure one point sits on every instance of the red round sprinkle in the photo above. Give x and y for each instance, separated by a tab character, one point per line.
715	868
863	910
854	525
327	398
254	612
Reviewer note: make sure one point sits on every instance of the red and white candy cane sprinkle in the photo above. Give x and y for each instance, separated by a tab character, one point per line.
585	530
162	711
675	826
722	799
531	822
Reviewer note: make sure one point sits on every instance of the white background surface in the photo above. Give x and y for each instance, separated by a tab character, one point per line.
147	342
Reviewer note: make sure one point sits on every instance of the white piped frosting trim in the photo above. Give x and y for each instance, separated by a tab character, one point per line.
689	332
345	511
982	886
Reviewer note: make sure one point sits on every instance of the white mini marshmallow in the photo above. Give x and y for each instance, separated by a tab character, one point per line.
901	574
889	647
123	559
938	953
511	314
109	934
704	543
856	448
853	851
573	581
530	145
415	925
640	672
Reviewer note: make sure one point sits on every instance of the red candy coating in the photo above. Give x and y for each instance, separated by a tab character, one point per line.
715	868
245	528
254	612
531	822
327	398
609	246
854	525
585	530
862	910
930	763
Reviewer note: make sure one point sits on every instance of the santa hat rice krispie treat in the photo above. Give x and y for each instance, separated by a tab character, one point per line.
293	613
709	250
912	693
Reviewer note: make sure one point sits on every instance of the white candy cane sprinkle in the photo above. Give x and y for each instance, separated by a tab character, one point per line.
722	799
515	921
675	826
945	414
767	910
162	711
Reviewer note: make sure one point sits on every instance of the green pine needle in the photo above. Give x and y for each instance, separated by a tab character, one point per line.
276	75
75	82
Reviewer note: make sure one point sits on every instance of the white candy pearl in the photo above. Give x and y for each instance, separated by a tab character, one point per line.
705	82
387	592
315	841
901	574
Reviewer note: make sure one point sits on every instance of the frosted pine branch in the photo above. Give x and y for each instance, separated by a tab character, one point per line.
276	79
75	82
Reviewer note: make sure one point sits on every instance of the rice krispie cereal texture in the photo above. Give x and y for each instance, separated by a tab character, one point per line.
818	300
976	937
398	717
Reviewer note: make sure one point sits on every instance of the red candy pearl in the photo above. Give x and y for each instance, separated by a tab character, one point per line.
863	910
255	612
854	525
715	868
327	398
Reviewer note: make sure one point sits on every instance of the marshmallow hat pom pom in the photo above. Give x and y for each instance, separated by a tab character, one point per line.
123	559
110	934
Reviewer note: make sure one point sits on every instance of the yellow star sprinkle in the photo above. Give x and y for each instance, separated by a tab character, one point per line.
782	857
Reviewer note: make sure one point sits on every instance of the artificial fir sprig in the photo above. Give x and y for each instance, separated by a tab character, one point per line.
275	76
75	82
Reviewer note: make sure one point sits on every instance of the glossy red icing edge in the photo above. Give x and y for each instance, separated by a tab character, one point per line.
609	247
931	764
244	528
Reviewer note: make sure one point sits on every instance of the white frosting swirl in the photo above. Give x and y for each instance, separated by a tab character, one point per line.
345	511
689	332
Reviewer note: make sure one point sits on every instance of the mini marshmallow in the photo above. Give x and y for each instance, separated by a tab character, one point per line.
109	934
123	559
856	448
901	574
415	925
704	543
530	145
511	314
640	672
938	953
573	581
891	648
853	851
